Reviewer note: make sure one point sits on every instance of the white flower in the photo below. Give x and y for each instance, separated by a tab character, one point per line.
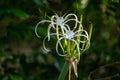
71	35
63	32
71	41
60	22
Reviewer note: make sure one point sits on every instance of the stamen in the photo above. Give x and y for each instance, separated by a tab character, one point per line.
69	34
60	21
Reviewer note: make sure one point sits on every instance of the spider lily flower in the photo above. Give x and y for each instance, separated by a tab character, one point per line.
62	21
58	21
74	39
73	55
72	35
70	41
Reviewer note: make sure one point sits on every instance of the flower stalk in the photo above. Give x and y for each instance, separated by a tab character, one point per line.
64	71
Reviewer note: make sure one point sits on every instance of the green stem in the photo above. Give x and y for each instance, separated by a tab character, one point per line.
64	71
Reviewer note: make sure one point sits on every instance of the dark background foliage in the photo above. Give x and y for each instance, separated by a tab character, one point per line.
21	51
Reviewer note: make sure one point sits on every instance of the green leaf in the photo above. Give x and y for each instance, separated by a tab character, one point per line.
15	77
19	13
5	78
117	1
2	54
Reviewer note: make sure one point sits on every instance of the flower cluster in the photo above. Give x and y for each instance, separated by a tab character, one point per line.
72	40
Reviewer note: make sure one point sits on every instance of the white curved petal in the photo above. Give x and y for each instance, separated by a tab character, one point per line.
85	32
43	21
86	47
76	22
54	17
57	47
71	14
54	20
76	19
64	28
45	40
48	40
72	19
44	44
48	33
77	48
81	31
67	27
81	35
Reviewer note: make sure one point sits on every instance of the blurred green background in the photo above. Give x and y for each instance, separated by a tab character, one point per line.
21	52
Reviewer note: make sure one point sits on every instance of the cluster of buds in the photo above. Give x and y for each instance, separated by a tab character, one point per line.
72	39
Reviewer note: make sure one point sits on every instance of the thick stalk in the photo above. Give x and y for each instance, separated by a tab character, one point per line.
64	71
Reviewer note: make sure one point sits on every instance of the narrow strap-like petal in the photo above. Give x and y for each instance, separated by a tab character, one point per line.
43	21
44	40
58	48
77	48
